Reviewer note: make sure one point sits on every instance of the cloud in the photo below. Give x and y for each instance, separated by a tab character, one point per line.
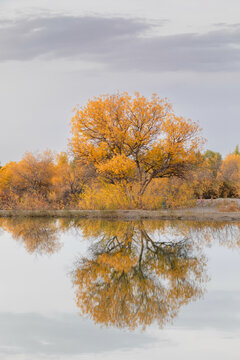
119	43
64	36
219	310
33	333
62	334
226	25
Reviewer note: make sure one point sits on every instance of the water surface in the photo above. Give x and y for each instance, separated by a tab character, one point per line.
92	289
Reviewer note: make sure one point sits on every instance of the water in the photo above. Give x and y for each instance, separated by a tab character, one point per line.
91	289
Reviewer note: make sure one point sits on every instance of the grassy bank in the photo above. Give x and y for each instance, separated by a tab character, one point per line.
180	214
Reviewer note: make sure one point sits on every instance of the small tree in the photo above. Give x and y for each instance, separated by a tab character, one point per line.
70	178
214	161
236	150
230	176
34	173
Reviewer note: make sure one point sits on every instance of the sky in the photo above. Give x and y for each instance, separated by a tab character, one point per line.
55	55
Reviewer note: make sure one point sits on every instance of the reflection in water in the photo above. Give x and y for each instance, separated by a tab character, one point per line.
131	279
136	272
40	235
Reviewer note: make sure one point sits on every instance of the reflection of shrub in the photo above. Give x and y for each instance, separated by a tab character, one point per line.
39	235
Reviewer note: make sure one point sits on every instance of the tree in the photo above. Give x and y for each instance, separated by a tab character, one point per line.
230	173
70	179
236	150
214	161
27	183
34	173
134	139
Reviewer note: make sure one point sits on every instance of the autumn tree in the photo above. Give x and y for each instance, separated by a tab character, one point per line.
214	161
8	198
230	175
236	150
204	179
34	173
27	183
134	139
70	178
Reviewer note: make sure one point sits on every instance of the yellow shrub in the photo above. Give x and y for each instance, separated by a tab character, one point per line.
162	193
168	193
105	197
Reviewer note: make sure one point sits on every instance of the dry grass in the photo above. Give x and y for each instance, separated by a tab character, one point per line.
229	206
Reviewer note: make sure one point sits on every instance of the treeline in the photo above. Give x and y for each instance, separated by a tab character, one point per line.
42	181
49	181
126	152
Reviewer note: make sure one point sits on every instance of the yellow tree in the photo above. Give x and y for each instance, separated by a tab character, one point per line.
28	183
134	139
230	175
34	173
69	179
8	198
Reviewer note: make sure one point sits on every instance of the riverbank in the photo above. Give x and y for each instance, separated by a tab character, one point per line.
206	214
212	210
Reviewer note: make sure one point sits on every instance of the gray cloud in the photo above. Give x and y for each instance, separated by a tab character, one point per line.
68	334
64	36
219	310
63	334
226	25
119	43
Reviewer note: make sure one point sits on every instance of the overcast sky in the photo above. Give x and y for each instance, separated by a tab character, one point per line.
57	54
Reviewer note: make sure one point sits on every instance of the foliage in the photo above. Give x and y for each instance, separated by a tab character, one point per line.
230	176
134	140
126	153
42	181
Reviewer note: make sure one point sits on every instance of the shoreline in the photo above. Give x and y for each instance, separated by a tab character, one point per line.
197	214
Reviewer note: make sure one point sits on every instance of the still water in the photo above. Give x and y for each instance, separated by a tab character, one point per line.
96	289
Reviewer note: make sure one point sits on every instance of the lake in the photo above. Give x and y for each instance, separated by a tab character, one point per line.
97	289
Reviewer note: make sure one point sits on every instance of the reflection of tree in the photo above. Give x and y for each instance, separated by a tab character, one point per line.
220	233
202	232
131	279
136	272
209	233
40	235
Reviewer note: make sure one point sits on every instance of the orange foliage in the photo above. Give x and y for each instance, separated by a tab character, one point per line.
230	175
134	139
42	181
126	153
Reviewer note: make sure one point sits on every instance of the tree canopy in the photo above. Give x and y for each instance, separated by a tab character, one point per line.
134	139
